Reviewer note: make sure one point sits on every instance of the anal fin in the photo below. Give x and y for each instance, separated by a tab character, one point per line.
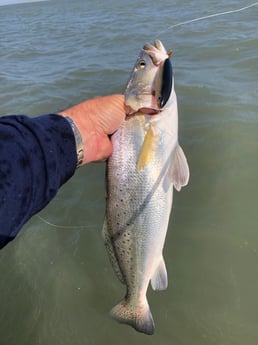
159	280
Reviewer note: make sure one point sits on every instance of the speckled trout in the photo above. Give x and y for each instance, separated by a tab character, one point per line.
146	163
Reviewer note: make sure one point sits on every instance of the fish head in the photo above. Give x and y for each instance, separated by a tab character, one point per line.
151	81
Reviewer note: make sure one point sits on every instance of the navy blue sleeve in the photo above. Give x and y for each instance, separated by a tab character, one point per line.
37	155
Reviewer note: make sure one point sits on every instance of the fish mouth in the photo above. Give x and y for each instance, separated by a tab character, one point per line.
149	111
145	111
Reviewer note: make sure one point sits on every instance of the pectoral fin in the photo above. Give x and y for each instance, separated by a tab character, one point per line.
178	173
159	281
148	149
111	253
180	169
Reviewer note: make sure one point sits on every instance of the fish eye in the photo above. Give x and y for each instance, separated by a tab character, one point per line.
141	64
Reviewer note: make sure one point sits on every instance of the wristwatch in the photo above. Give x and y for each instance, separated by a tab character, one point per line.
78	141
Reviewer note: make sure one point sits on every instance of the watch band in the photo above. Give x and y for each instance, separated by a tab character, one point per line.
78	141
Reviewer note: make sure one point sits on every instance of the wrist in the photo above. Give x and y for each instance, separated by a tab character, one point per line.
95	119
78	142
91	141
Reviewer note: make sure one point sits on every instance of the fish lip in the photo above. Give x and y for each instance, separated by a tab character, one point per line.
145	111
149	111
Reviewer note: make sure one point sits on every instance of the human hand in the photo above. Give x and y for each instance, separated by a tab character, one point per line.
96	119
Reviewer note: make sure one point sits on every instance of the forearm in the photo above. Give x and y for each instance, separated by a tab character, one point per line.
36	157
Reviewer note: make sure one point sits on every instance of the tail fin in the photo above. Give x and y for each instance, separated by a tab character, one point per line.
139	317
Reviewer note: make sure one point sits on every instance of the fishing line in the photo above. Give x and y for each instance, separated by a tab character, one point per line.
63	226
210	16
